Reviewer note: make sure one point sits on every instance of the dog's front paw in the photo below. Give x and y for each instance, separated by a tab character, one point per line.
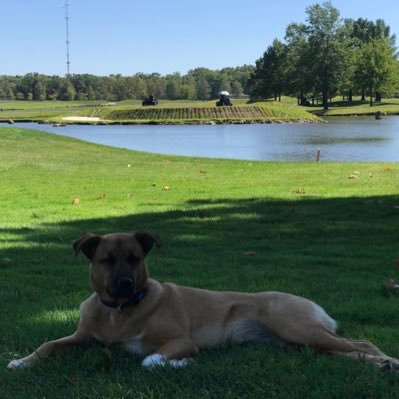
157	360
154	360
17	364
180	363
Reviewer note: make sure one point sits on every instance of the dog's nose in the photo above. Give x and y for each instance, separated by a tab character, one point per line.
122	286
125	284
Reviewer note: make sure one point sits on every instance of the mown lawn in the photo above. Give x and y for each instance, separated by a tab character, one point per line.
304	228
356	108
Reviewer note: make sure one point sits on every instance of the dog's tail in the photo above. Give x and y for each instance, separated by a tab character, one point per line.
321	315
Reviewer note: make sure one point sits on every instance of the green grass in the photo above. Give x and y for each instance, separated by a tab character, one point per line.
51	111
357	107
314	232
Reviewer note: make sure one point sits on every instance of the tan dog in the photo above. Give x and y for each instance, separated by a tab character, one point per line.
171	323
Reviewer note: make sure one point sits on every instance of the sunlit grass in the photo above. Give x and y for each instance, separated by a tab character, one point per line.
357	108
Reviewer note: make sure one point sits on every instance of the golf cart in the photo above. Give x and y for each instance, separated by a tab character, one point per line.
223	99
150	100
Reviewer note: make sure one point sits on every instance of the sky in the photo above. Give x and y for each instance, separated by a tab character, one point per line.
165	36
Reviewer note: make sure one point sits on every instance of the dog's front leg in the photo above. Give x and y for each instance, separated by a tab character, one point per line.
175	353
49	348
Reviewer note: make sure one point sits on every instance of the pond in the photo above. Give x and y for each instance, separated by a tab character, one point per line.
340	139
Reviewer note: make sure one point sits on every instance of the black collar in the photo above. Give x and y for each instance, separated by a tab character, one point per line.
135	300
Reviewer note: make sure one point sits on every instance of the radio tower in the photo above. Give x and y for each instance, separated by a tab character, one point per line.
67	34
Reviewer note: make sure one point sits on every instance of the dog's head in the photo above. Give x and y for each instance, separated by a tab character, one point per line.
117	263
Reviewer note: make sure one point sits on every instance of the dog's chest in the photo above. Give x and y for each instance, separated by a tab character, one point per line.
134	345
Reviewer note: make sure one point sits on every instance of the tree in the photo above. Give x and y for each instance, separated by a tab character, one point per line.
236	88
299	76
361	31
173	86
327	51
377	67
203	89
268	78
25	85
39	90
204	80
67	91
138	86
7	86
156	85
188	88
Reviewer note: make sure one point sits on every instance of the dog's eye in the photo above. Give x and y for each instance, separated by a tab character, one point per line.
108	259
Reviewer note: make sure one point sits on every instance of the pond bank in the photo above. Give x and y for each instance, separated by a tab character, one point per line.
186	122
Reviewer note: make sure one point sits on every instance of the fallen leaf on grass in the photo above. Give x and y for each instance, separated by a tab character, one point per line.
387	169
299	191
370	174
102	196
353	176
250	253
76	201
165	188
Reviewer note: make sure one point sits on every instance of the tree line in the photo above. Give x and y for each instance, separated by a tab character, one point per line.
197	84
329	56
319	59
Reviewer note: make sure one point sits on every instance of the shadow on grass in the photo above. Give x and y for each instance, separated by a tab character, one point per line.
335	251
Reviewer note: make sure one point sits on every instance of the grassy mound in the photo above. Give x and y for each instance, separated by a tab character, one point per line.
178	112
191	113
262	112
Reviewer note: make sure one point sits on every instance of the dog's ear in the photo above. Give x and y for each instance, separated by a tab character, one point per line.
87	244
146	239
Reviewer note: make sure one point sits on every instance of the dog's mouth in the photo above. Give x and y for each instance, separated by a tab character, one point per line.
122	288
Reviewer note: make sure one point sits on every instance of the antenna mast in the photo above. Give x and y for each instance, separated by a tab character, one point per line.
67	34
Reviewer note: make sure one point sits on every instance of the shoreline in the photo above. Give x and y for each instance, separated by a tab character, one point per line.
161	122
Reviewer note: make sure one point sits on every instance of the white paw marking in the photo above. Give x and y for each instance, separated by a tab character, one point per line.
157	360
17	364
154	360
179	363
134	346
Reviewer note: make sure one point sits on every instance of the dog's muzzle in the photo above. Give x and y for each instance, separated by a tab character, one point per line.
123	287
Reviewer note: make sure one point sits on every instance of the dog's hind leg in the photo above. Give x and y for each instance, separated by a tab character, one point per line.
299	321
175	353
366	351
383	362
47	349
327	341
